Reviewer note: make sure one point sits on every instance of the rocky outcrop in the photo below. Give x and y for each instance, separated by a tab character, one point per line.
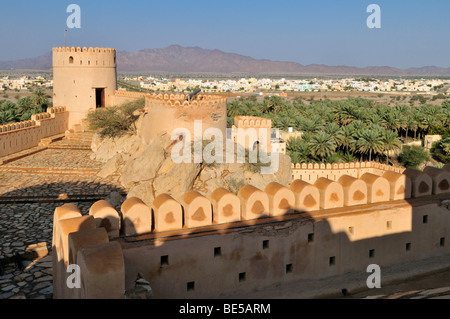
147	170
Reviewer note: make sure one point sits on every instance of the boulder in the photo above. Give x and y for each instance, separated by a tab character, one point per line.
143	167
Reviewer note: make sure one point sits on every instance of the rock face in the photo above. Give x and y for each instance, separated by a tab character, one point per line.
147	170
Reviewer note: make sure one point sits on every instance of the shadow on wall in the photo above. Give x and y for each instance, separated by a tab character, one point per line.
267	243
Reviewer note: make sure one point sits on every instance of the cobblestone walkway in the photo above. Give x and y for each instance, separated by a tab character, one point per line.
31	187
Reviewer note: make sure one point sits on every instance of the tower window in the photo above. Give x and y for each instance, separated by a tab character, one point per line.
71	60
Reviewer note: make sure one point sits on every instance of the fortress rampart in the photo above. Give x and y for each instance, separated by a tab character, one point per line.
19	136
258	125
122	96
310	172
234	245
167	112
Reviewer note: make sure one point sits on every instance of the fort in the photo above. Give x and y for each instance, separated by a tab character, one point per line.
233	246
311	237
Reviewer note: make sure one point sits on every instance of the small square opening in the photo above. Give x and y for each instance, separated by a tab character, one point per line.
265	244
311	238
164	260
442	242
332	261
389	224
288	268
242	276
408	246
217	251
371	253
425	219
190	286
351	230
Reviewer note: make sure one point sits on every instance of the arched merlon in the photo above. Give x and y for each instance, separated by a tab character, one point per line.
106	216
65	211
378	189
307	196
355	190
281	199
102	271
84	238
62	212
331	193
422	184
226	206
167	212
70	225
197	209
254	202
136	217
446	167
441	179
400	185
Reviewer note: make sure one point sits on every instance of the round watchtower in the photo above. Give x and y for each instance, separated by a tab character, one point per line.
83	80
168	112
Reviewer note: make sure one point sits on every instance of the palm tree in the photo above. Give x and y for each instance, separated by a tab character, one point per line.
8	116
322	145
347	138
390	142
309	126
370	142
39	98
335	132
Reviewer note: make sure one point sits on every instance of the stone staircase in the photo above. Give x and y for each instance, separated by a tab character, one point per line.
73	139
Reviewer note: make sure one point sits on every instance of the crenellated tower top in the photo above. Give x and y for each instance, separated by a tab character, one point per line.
84	57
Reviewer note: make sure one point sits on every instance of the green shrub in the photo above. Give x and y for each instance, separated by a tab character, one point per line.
413	156
116	120
441	150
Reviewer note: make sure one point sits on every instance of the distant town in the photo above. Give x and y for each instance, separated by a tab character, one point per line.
18	83
255	85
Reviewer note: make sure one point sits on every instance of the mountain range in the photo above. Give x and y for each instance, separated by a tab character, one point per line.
178	59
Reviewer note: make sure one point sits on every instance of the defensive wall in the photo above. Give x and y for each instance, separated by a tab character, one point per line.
19	136
261	127
310	172
239	245
122	96
168	112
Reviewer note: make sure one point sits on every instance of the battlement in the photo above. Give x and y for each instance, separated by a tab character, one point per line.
84	50
310	172
149	237
19	136
252	121
130	94
181	100
84	57
35	120
196	210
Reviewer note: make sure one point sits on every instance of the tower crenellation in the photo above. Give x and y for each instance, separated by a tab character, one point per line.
85	57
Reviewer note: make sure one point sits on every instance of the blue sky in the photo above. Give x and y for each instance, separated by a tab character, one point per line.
413	33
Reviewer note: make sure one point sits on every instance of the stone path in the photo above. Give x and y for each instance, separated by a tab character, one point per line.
32	185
